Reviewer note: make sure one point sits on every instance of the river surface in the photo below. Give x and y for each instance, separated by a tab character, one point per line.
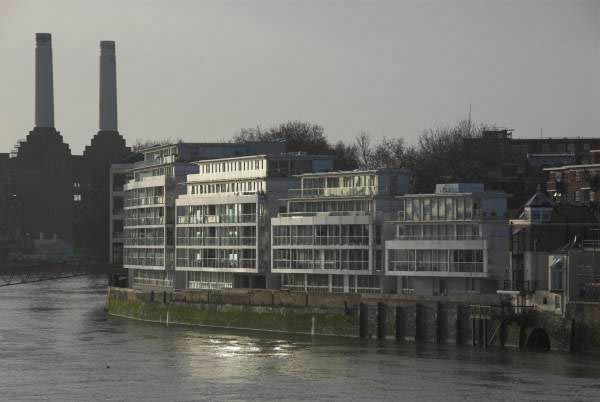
58	344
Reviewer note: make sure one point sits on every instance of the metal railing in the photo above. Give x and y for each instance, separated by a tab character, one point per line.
208	219
334	265
144	241
333	192
144	261
248	263
321	240
434	237
136	202
216	241
432	266
327	213
144	221
401	216
155	162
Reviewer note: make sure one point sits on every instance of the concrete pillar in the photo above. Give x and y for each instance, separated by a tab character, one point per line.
44	87
381	321
108	87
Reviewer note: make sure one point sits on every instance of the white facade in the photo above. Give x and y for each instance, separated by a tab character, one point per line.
449	242
117	178
222	234
331	237
149	218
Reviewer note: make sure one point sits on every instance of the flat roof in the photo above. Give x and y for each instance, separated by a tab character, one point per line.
355	172
588	165
283	156
497	194
206	144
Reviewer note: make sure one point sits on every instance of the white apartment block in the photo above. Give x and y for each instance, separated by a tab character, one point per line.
149	206
117	177
331	237
223	219
454	241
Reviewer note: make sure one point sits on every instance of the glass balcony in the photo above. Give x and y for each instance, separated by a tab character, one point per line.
333	192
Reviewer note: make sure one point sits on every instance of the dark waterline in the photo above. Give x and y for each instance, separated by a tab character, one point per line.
57	344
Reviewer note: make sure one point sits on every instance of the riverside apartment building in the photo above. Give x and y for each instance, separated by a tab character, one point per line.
331	236
223	219
450	242
149	205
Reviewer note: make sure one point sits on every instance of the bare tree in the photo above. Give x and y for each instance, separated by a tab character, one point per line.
140	145
362	142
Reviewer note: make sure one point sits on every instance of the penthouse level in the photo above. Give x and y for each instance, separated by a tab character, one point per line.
223	219
330	239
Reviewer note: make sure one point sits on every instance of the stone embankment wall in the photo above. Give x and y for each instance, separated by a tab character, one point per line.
392	317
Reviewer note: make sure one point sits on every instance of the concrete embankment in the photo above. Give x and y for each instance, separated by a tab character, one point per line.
394	317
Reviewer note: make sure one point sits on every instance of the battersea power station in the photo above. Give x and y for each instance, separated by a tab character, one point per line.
48	196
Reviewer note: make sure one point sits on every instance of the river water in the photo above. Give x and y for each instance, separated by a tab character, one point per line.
58	344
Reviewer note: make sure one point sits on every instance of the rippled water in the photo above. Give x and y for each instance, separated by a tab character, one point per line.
57	343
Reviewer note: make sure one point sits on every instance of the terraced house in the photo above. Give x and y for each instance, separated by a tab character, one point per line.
330	238
223	220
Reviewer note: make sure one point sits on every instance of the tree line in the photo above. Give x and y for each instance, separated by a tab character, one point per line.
443	154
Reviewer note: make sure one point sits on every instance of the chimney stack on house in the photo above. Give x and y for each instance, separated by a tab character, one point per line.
108	87
44	90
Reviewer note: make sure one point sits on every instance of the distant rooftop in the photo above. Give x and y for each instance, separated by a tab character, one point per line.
356	172
539	200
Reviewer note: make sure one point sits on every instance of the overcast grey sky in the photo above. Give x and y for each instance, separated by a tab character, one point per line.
201	70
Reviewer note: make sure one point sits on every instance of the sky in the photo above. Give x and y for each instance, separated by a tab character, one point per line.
202	70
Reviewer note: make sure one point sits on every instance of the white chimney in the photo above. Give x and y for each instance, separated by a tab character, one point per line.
44	89
108	87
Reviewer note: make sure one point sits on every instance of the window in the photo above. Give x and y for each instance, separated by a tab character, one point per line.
401	260
560	148
77	197
426	209
546	148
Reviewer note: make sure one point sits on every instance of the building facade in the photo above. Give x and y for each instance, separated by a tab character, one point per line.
149	205
542	229
520	161
330	237
223	220
450	242
576	184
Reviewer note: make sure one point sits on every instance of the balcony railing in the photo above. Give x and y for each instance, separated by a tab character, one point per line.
475	215
144	241
333	192
412	266
147	262
210	219
328	213
216	241
321	241
136	202
456	237
155	162
246	263
144	221
332	265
